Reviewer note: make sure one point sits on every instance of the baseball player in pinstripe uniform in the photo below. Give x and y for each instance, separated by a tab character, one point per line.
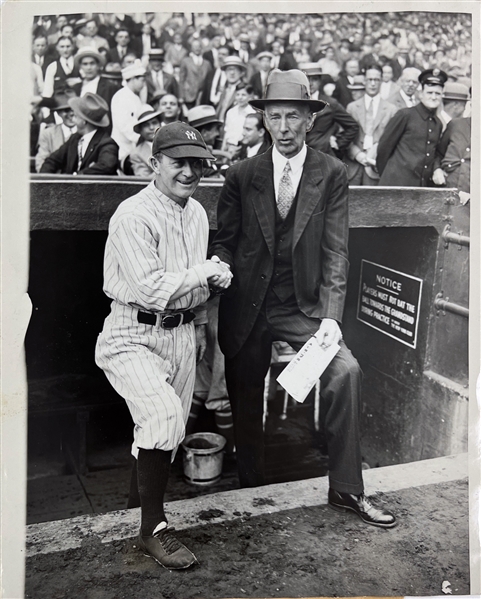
157	275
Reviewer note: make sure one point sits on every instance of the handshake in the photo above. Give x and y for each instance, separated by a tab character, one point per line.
218	274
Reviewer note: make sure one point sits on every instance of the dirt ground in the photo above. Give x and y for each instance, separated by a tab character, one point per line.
308	552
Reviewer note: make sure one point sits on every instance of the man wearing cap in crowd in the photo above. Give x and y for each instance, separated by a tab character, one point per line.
155	78
204	119
455	97
259	79
61	72
405	97
373	114
235	70
146	126
192	74
53	136
407	148
157	275
334	128
283	229
89	151
90	63
126	108
452	166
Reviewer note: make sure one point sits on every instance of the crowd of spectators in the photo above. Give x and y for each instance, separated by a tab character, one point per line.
103	83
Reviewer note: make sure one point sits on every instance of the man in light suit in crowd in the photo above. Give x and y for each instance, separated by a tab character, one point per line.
193	71
405	97
283	230
54	136
373	114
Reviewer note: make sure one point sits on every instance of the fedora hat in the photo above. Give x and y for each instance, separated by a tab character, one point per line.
455	91
311	68
60	100
288	86
91	108
147	115
89	52
202	115
112	70
234	61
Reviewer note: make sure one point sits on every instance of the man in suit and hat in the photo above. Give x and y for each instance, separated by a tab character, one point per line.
155	78
259	79
54	136
334	128
204	119
90	63
89	151
283	230
235	70
455	98
146	126
407	148
373	114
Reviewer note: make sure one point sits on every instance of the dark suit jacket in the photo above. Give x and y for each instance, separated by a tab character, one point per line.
341	92
333	120
266	144
113	53
397	69
245	240
105	89
101	157
170	85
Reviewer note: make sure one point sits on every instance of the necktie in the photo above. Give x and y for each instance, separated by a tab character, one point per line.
286	192
370	118
79	151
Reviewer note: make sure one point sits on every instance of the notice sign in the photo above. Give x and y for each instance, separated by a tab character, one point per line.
389	301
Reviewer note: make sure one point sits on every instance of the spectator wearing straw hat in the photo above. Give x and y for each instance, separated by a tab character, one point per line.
259	79
90	63
126	109
89	151
155	78
146	126
235	71
52	137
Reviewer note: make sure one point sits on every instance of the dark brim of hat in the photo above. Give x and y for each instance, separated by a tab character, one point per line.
153	115
206	120
314	105
186	151
74	105
454	96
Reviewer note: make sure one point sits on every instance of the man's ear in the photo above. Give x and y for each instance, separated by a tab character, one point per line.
310	121
155	164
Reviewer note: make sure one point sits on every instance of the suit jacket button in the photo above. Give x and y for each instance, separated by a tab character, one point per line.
263	276
254	304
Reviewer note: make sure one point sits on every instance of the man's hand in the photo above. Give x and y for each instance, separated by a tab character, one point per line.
200	342
217	273
329	333
439	177
362	158
333	142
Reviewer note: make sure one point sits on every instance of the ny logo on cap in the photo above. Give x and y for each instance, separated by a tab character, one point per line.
191	135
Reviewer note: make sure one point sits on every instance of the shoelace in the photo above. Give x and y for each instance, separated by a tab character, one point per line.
169	543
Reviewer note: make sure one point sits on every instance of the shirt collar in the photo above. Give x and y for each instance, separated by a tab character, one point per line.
297	161
165	199
374	99
87	138
424	112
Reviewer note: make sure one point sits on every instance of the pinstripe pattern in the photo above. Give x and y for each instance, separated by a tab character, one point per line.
154	249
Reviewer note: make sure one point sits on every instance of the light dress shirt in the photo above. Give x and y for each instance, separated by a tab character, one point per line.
297	166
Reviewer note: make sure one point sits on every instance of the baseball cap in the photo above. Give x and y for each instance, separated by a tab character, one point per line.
180	140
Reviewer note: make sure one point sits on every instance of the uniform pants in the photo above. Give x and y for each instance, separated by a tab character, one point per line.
153	369
340	400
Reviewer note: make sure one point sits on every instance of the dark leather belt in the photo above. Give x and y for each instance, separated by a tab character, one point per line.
167	321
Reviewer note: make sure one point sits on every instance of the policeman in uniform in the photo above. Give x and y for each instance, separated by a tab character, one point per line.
407	148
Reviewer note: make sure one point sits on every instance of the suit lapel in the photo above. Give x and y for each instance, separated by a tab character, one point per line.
309	193
263	199
91	149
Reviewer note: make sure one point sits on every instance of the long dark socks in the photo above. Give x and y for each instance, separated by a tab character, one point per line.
153	468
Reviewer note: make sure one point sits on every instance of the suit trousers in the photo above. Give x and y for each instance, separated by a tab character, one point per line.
340	399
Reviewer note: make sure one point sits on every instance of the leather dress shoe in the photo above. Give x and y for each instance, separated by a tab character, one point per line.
361	505
167	550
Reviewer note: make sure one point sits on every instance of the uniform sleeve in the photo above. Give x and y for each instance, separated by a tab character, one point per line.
135	249
390	138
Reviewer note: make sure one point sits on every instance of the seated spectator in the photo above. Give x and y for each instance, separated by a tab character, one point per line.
89	151
122	47
126	108
255	137
235	70
169	106
155	78
146	126
54	136
204	119
388	85
90	62
63	72
235	117
88	36
405	97
259	79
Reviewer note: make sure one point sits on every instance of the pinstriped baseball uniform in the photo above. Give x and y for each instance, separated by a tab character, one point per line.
153	248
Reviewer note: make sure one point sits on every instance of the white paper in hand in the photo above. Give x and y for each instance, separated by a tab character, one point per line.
303	371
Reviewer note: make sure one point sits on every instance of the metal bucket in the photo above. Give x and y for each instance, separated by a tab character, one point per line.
203	456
